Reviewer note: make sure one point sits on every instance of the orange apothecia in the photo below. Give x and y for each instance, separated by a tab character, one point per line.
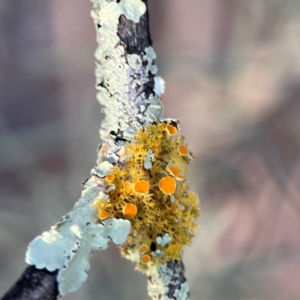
143	248
183	150
110	177
145	259
167	185
130	210
176	172
141	186
103	214
172	130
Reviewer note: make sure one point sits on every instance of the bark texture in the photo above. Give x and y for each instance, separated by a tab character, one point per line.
34	284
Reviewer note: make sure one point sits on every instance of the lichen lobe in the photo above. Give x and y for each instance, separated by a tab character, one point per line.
125	69
67	245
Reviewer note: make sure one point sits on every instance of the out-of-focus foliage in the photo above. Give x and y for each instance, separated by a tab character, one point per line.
232	77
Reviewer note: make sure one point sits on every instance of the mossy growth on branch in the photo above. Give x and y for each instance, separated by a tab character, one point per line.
151	191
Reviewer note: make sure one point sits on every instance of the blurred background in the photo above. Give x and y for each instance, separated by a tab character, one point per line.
232	72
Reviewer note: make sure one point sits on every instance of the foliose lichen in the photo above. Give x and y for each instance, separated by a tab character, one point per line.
169	283
121	75
67	245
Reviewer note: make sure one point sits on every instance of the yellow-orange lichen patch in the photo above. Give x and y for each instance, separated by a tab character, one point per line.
167	185
145	259
143	248
149	190
175	170
172	130
130	210
141	186
110	177
183	150
103	214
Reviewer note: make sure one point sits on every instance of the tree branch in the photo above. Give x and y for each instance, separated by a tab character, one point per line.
139	147
34	284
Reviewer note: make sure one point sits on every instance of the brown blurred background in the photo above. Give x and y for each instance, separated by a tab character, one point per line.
232	72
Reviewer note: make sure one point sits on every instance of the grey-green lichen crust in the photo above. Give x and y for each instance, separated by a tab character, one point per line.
169	283
119	74
67	245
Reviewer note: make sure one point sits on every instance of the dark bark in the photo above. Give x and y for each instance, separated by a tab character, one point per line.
34	284
136	36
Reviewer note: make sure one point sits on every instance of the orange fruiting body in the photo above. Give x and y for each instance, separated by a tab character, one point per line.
171	129
176	172
145	259
141	186
143	248
167	185
130	210
183	150
103	214
110	177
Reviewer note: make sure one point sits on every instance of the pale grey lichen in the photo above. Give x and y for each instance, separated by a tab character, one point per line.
183	292
133	9
154	110
168	283
134	61
164	240
105	168
112	158
159	253
148	160
158	284
120	74
102	196
150	54
67	245
129	133
149	58
94	237
159	85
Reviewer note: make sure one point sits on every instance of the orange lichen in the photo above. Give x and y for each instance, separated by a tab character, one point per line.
176	172
172	130
156	200
130	210
141	186
167	185
103	214
145	259
110	177
183	150
143	248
